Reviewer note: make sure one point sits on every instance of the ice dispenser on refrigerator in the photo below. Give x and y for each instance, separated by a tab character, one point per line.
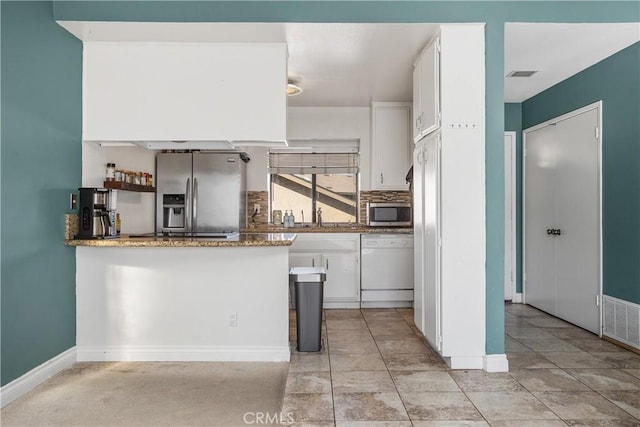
173	209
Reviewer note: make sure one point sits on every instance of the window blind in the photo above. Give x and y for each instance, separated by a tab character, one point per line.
310	163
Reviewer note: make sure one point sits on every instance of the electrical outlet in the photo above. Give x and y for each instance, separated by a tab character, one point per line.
256	208
233	319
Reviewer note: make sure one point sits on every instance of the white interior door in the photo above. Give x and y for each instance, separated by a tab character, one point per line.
562	194
509	215
539	216
578	219
431	191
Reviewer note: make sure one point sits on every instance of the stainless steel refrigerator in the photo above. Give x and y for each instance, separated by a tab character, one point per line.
201	193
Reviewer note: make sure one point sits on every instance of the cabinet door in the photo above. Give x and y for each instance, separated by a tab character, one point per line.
342	282
432	299
418	236
417	106
305	259
391	142
429	88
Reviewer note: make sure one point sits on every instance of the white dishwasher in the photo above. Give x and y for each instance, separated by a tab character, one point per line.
386	270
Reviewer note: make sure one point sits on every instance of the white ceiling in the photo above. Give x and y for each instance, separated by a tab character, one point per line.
354	64
558	51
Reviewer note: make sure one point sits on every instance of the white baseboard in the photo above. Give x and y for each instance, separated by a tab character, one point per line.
36	376
517	298
496	363
183	354
386	304
341	304
465	362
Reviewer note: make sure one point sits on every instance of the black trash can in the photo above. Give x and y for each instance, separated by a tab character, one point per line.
308	284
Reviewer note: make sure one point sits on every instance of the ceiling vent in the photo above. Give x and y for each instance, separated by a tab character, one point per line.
521	73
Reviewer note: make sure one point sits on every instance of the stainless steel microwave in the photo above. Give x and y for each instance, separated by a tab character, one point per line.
389	214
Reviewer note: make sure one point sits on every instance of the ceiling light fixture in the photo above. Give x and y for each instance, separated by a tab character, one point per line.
293	89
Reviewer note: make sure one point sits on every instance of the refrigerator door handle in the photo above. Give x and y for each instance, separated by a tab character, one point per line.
187	206
194	225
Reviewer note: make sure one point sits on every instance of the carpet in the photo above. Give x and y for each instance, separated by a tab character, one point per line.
152	394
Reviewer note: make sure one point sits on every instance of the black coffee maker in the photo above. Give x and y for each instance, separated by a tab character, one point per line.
97	213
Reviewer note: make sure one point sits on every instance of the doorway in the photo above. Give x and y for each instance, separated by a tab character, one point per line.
562	217
510	216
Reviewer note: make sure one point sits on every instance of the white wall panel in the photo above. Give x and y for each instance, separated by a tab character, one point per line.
176	302
334	123
144	91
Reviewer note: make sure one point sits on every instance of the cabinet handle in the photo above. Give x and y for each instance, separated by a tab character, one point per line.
381	178
313	262
327	263
554	231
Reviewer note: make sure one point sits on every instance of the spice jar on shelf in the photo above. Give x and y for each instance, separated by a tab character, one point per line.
111	172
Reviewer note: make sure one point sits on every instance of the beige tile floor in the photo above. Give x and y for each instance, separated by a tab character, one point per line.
376	370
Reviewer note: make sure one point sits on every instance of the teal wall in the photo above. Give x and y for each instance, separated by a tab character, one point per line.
513	122
41	164
615	81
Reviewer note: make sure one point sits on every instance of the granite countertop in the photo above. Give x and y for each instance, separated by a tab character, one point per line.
328	228
242	239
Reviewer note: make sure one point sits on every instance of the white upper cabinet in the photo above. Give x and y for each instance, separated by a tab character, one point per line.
391	143
426	91
143	91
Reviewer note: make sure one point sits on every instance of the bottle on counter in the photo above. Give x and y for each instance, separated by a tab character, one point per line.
292	220
118	224
285	219
111	172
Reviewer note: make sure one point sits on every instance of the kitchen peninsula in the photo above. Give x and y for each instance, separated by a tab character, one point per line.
189	299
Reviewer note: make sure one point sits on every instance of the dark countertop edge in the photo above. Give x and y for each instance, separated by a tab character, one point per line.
284	239
355	230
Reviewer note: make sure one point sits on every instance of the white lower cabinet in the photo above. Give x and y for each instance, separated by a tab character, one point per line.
339	254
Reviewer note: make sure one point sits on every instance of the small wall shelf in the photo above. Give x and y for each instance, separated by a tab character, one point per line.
118	185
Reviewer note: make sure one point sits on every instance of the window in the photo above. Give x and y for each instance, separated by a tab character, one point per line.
304	182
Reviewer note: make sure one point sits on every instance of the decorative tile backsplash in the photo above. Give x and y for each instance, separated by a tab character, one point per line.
71	226
261	198
381	197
